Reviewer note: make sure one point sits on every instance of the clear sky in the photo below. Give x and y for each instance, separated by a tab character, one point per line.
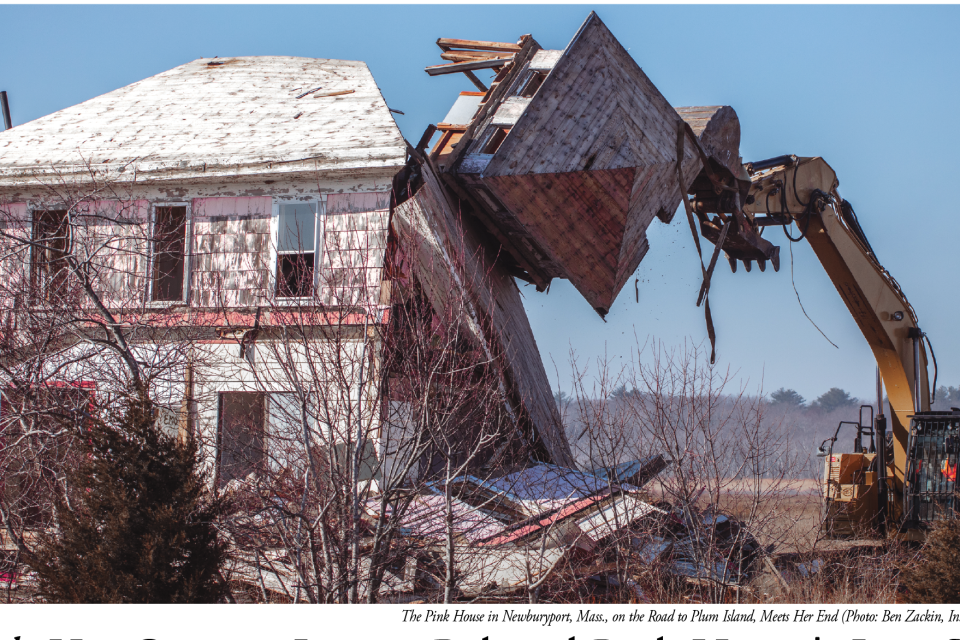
872	89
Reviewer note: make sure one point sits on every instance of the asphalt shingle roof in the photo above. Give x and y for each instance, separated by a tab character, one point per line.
226	116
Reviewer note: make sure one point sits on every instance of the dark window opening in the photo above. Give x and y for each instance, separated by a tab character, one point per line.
241	435
51	233
296	242
496	140
295	275
536	79
170	233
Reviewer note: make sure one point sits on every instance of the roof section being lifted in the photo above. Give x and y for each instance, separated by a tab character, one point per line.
210	117
568	159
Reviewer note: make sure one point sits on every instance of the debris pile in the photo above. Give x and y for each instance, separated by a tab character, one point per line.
510	534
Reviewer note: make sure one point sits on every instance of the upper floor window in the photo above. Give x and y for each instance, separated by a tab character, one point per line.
51	235
169	259
296	250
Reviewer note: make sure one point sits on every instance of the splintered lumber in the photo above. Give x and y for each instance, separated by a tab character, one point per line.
450	259
574	159
450	43
457	67
466	56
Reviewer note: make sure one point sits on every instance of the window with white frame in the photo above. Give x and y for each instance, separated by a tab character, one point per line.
296	249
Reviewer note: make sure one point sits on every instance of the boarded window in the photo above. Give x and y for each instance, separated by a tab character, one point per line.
241	435
51	233
296	255
170	232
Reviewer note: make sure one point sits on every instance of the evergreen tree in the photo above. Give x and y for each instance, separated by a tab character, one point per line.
786	397
935	578
139	524
835	398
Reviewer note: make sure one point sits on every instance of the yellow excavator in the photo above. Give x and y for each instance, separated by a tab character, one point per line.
901	476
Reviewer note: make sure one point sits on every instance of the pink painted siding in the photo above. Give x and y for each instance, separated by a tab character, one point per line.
231	252
15	263
14	211
114	238
354	243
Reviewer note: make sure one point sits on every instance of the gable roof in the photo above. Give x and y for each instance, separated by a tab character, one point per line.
216	117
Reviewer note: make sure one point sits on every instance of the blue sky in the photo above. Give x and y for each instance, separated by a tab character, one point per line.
872	89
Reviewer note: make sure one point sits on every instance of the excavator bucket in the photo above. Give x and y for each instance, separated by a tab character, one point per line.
570	155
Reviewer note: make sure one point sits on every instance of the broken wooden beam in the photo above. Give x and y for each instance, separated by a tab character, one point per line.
450	43
468	56
459	67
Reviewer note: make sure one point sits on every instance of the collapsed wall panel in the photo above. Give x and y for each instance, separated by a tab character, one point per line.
451	260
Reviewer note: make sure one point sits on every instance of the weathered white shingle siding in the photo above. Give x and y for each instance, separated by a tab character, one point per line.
231	252
114	239
14	252
355	231
199	121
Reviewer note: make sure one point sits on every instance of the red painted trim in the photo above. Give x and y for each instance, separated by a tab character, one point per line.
545	522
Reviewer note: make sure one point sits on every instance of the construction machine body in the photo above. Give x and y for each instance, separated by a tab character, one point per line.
861	489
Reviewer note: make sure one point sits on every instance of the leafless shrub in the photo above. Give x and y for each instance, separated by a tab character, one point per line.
728	497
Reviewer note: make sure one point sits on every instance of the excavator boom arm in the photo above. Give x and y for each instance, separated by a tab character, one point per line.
804	191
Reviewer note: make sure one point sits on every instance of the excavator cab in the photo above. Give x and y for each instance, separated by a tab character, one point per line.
854	500
930	481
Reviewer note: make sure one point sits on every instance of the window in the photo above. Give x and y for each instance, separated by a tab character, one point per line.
296	249
533	83
51	233
241	434
495	140
169	238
